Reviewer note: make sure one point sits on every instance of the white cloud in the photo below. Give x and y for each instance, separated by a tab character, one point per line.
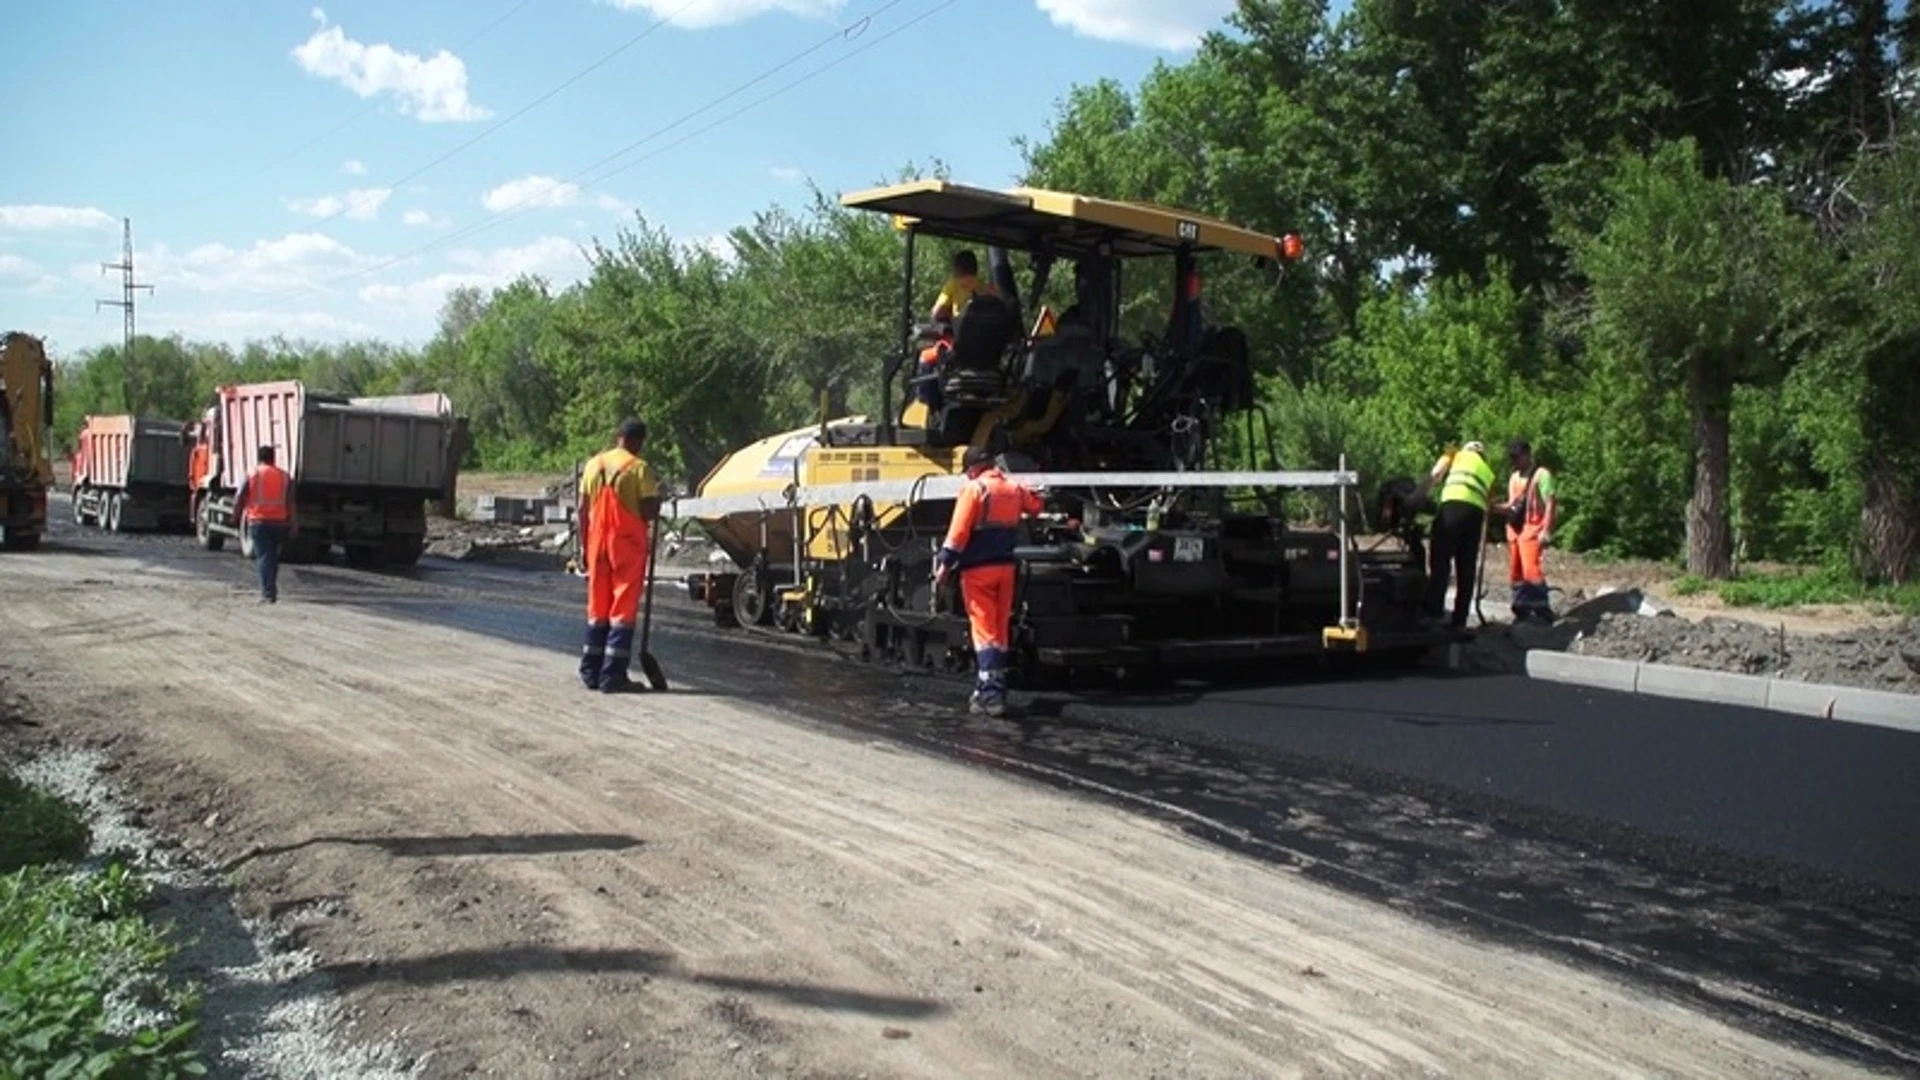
787	174
423	219
704	14
555	258
530	191
294	261
1157	24
354	167
37	218
361	204
432	89
611	204
18	271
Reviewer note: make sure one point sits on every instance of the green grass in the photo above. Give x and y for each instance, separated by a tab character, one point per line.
1801	588
83	989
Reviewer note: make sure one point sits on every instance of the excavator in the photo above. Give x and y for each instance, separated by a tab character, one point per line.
26	420
1164	546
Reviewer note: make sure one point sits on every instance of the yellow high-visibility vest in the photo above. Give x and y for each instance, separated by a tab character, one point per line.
1469	480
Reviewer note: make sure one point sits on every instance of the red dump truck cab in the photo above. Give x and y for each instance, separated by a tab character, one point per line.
363	469
130	473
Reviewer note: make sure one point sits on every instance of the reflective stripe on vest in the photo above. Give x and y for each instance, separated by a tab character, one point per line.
267	494
1469	479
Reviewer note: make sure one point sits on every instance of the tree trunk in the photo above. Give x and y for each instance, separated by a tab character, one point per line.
1889	525
1709	521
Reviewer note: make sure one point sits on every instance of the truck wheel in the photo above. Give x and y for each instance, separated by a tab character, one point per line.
203	531
115	509
79	512
403	550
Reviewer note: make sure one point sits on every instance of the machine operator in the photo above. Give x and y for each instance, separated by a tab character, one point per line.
979	544
619	506
960	288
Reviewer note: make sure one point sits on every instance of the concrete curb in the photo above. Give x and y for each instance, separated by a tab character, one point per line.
1879	708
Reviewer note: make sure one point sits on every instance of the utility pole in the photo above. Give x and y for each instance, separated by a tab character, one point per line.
125	303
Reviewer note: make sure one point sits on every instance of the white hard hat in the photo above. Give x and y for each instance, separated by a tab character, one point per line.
1476	446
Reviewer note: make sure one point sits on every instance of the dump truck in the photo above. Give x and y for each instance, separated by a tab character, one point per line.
1159	550
130	472
26	419
363	468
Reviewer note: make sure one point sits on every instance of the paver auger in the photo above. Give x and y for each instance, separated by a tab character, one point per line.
1154	555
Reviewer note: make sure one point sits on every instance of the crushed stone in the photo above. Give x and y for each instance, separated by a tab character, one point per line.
268	1013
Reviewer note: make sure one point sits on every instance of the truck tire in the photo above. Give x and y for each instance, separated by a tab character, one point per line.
79	513
115	511
203	530
403	550
363	555
305	550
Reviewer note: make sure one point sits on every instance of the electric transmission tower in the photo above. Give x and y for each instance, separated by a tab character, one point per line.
125	303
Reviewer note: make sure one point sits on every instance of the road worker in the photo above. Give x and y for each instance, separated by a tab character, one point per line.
979	544
1459	526
961	287
1529	509
619	505
266	507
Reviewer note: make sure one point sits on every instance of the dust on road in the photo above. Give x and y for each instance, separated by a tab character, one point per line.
523	879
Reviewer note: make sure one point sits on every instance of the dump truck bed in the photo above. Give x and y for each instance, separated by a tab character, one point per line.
125	451
393	444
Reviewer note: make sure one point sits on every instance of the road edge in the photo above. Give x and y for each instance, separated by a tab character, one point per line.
1879	708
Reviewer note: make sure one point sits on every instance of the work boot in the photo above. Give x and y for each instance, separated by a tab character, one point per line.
988	700
613	672
593	655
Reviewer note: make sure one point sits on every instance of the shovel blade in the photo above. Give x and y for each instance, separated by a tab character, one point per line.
656	675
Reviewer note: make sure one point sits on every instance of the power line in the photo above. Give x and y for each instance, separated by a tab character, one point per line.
506	213
128	286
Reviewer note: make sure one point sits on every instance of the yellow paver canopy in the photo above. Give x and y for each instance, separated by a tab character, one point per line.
1032	219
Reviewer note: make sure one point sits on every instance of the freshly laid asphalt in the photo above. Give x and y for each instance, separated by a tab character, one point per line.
1832	796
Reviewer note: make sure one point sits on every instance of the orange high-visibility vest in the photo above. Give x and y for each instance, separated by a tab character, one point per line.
986	520
267	495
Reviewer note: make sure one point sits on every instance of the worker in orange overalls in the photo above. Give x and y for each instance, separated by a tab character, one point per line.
265	505
1529	508
980	543
619	504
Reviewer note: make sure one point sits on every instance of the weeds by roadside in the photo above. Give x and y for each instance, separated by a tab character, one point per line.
83	990
1799	589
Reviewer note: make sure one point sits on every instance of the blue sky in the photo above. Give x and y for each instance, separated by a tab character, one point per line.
264	150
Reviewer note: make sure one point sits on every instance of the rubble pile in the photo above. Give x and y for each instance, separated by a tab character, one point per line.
1626	625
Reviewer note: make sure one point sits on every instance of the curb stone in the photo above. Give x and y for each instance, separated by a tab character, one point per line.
1878	708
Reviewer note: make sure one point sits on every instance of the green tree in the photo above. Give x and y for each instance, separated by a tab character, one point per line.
1857	397
1684	275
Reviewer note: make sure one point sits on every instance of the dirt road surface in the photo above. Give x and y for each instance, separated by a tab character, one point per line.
518	878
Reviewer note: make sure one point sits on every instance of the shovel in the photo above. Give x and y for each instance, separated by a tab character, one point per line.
656	675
